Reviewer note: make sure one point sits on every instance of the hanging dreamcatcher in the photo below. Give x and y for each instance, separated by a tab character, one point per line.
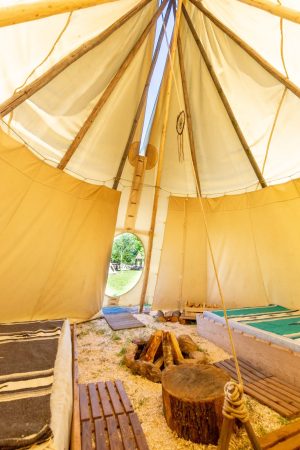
180	122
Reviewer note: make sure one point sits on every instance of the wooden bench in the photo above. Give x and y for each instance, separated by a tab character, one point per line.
286	438
103	416
267	389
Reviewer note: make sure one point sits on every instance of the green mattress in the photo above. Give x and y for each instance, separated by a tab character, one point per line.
249	311
288	327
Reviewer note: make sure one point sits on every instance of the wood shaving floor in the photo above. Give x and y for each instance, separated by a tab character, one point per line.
100	359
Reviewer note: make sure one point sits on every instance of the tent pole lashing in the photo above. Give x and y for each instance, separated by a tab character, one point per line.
225	102
23	94
109	89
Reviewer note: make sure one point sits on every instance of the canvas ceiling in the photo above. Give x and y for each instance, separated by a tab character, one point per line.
267	113
48	124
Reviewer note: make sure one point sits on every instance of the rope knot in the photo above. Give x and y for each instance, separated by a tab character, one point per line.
234	406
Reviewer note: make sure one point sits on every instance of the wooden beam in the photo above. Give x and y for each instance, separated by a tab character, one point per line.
142	101
276	9
251	52
25	12
23	94
109	89
188	115
161	153
225	102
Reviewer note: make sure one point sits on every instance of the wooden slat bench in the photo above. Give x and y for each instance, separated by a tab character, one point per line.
103	416
286	438
108	421
269	390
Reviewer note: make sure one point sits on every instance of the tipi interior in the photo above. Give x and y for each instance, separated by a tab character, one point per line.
208	181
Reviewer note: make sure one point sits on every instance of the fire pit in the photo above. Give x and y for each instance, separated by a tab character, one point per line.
163	349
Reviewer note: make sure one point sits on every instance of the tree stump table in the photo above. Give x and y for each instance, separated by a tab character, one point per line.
193	398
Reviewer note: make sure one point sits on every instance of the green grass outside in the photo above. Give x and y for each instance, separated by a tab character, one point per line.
121	282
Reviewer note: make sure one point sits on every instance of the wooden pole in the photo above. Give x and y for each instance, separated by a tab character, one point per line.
18	13
161	153
225	102
188	115
251	52
23	94
109	89
276	9
142	101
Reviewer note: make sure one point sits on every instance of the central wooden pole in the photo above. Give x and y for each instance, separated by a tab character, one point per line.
109	89
161	152
142	100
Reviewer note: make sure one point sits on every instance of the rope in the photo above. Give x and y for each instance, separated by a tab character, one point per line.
234	406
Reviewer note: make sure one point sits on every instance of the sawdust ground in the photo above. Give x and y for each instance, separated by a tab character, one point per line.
100	359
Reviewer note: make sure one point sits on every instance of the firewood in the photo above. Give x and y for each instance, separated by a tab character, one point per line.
167	349
159	362
160	317
186	344
149	352
147	370
177	355
199	356
175	316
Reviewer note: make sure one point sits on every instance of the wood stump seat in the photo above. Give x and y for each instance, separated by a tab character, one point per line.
193	399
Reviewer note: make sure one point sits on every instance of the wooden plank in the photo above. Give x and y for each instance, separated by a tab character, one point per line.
138	432
292	443
114	397
107	409
126	433
269	394
100	435
282	393
169	81
94	400
293	391
76	431
84	403
261	398
113	435
86	435
123	395
258	388
280	435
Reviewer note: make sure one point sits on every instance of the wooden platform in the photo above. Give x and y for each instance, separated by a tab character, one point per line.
286	438
122	321
267	389
265	356
107	419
